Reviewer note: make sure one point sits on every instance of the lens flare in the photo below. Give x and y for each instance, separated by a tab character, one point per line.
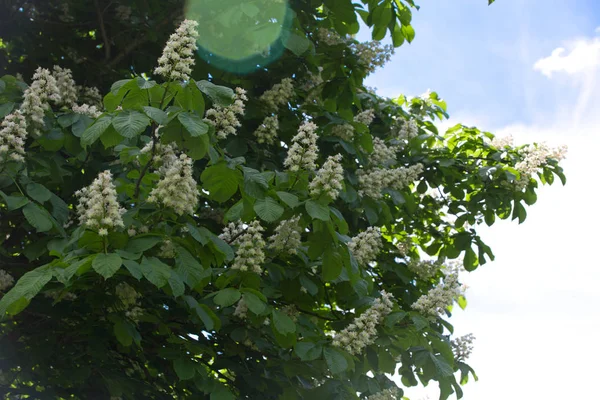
240	36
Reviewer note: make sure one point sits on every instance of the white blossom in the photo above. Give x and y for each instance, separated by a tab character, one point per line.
13	134
373	181
304	151
372	54
405	130
250	253
362	332
329	37
6	280
90	95
278	95
177	58
167	249
462	346
176	188
387	394
535	157
382	155
329	178
267	131
127	294
86	109
241	309
232	231
366	245
287	236
66	85
344	131
36	97
440	297
365	117
98	207
502	142
225	119
425	269
312	80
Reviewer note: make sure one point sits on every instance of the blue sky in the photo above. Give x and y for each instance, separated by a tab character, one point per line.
536	310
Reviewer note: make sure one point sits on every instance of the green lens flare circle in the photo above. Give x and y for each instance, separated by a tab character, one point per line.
240	35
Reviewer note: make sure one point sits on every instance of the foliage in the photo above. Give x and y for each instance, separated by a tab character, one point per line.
242	296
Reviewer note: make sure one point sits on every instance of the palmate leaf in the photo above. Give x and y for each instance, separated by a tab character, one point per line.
26	289
130	123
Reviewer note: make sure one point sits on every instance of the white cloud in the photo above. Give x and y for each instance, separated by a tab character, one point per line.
583	55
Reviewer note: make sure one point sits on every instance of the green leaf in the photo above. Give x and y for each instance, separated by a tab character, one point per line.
189	268
110	138
462	302
184	368
193	123
470	260
335	360
126	333
14	202
156	114
289	199
130	123
5	109
254	303
107	264
308	351
141	244
227	297
134	269
317	210
409	32
93	133
38	192
208	317
220	181
442	367
30	284
332	265
176	284
268	209
282	323
220	95
38	217
156	271
297	44
222	393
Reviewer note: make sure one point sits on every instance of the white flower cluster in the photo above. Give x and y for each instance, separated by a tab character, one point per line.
177	58
167	249
366	245
129	297
373	181
344	131
329	37
365	117
278	95
372	54
163	154
534	157
241	309
177	188
287	236
329	178
440	297
425	269
90	95
250	246
383	155
387	394
502	142
225	119
86	109
12	137
36	97
312	80
123	13
304	151
58	295
363	330
405	130
66	85
6	280
98	207
267	131
462	347
232	231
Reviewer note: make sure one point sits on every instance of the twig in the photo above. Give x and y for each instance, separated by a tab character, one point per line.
103	31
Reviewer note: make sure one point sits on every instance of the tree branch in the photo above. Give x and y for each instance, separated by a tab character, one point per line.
103	31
